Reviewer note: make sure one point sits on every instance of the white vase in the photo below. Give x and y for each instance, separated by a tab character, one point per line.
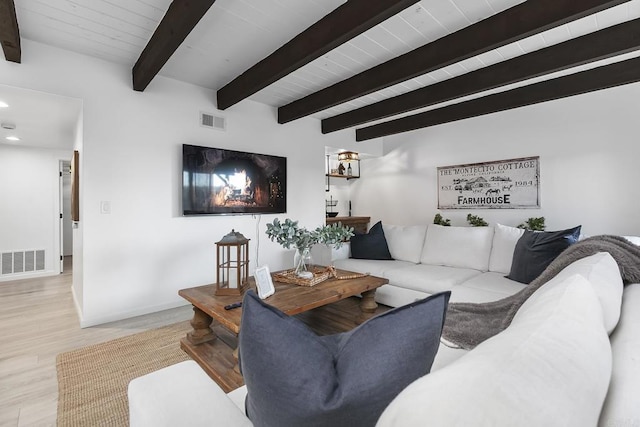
302	263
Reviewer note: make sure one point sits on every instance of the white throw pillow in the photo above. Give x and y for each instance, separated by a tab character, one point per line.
550	367
464	247
405	242
504	243
604	274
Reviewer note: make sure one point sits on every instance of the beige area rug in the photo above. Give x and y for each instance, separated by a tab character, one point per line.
92	381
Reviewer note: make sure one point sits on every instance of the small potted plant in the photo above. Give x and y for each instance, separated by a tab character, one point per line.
290	235
439	220
476	221
534	224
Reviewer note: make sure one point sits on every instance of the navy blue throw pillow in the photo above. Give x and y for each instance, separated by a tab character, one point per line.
296	378
372	245
536	249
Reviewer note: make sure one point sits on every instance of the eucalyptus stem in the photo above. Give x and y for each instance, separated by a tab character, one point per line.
290	235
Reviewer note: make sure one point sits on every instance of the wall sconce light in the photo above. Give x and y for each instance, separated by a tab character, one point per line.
348	156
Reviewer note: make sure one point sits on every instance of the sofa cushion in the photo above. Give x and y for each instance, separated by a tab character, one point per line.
373	267
166	398
504	244
621	406
464	247
633	239
536	249
296	378
446	356
405	242
371	245
238	396
602	271
550	367
485	287
394	296
429	278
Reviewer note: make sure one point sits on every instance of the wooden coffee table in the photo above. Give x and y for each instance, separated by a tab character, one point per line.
214	344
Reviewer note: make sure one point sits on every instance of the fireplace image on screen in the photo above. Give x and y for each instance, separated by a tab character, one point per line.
220	181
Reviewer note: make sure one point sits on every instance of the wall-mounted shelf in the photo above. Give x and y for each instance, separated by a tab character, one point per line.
355	174
347	177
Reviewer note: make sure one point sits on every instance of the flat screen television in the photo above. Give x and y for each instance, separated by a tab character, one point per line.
217	181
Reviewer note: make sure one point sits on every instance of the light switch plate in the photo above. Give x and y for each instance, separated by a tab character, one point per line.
105	207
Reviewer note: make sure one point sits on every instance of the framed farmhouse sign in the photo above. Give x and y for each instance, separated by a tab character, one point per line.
503	184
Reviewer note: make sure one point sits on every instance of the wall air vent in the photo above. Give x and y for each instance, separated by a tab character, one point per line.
15	262
212	121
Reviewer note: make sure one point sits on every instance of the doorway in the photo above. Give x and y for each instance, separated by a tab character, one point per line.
66	224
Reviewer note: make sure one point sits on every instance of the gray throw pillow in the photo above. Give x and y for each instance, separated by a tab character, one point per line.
535	250
296	378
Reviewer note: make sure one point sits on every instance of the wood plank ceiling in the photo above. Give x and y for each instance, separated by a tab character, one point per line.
386	69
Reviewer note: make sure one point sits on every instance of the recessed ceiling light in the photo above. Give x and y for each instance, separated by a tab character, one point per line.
13	138
3	104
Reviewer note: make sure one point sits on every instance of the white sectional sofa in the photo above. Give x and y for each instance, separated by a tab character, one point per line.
469	261
571	356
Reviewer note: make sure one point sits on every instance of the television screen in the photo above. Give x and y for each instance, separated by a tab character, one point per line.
219	181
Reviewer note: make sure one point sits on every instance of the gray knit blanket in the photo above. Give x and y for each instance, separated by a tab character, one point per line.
469	324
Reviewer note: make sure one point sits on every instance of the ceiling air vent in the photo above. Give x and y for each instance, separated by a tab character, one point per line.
212	121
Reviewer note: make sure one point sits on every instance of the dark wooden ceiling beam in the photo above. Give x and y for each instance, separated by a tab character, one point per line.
341	25
181	17
602	44
605	77
516	23
9	32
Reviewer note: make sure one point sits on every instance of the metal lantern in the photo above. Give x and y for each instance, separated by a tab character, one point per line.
232	261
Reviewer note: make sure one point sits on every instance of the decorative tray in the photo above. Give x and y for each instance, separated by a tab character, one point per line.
320	274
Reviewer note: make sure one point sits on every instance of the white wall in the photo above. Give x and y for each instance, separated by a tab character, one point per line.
589	170
30	201
135	259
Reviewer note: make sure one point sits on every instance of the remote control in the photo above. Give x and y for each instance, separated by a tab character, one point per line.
234	305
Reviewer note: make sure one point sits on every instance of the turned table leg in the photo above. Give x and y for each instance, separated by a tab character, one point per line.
368	302
236	367
201	332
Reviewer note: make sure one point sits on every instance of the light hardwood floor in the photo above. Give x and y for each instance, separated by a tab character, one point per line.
38	320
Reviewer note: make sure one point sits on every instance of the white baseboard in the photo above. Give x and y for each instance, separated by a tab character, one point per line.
88	322
22	276
77	304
